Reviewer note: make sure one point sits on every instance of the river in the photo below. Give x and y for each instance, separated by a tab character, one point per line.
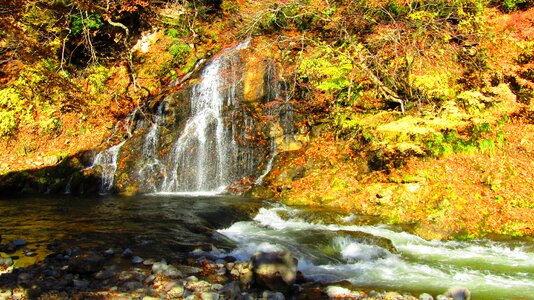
327	247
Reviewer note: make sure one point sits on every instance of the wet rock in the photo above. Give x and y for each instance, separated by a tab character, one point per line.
368	238
24	277
51	273
137	260
269	295
188	269
459	293
109	252
392	296
29	252
86	262
310	292
209	296
6	294
149	279
231	290
249	296
198	286
176	292
80	284
426	296
9	248
130	275
127	253
275	271
338	292
166	270
6	261
19	243
104	274
242	271
132	286
34	292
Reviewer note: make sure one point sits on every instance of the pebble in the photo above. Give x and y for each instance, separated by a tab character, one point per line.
109	252
137	260
459	293
341	292
269	295
80	284
426	296
209	296
104	274
19	243
127	253
149	279
6	261
132	286
24	277
6	295
176	292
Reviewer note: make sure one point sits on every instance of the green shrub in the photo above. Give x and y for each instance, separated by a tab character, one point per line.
512	5
8	123
79	22
180	53
478	138
98	75
13	110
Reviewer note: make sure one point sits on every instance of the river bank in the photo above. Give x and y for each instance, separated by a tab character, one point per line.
118	273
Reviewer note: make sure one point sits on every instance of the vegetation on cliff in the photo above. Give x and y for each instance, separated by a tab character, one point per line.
419	111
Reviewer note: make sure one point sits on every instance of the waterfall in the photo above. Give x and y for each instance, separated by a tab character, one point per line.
107	161
209	134
201	158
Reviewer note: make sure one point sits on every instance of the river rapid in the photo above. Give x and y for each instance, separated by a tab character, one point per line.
328	247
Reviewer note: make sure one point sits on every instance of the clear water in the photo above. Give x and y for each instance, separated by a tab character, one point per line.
153	226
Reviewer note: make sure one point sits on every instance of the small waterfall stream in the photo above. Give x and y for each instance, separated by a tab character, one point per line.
107	161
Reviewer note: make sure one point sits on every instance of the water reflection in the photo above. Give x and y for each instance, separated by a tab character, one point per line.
151	225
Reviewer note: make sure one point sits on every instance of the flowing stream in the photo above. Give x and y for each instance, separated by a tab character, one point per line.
490	269
329	247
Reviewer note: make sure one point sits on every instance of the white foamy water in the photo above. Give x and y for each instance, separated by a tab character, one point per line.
490	269
107	160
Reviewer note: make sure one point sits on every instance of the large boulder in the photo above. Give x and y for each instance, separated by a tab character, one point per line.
276	271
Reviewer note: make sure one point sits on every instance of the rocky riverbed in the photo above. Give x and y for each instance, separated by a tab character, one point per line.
204	273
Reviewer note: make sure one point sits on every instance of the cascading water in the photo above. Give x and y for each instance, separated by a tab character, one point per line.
107	161
200	157
211	138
